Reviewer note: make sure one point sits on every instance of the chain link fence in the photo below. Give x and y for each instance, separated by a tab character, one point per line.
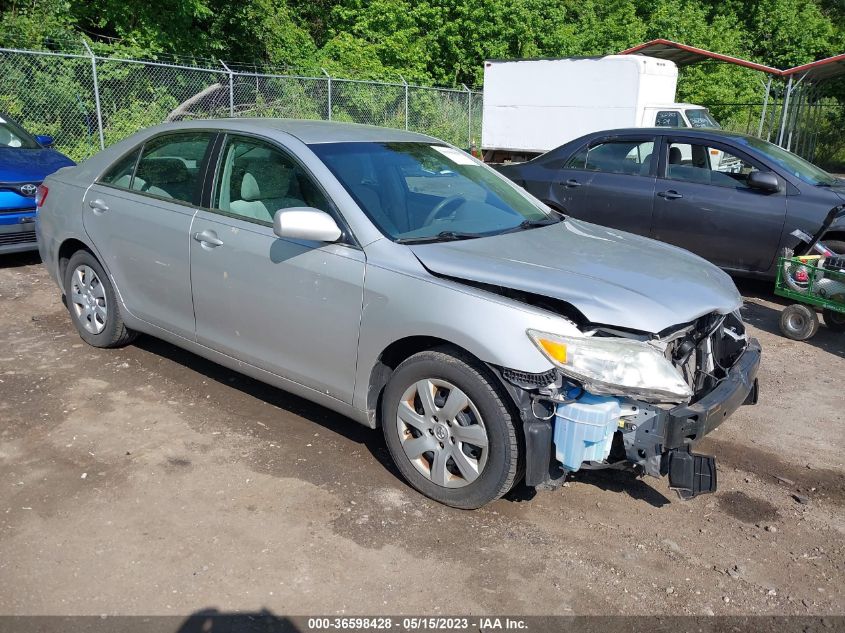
812	130
85	101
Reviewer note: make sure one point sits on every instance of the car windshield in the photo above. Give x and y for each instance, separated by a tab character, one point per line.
792	163
13	135
418	192
701	118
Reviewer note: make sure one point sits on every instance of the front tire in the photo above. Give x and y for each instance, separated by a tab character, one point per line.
92	303
449	429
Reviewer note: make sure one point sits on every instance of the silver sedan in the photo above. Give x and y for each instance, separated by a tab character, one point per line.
399	281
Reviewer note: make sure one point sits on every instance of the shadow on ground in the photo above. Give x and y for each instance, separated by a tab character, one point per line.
371	439
622	482
17	260
213	621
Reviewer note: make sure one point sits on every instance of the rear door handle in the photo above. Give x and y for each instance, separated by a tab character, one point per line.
208	238
572	183
99	207
670	195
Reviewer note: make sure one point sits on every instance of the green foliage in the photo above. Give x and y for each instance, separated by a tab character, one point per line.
442	42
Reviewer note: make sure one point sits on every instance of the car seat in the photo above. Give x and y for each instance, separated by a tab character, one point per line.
265	188
675	156
165	177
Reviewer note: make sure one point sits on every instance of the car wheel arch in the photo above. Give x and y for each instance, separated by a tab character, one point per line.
67	249
392	356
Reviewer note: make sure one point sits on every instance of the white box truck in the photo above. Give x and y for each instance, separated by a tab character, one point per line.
532	106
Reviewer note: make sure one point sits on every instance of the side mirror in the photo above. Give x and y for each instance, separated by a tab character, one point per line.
306	223
45	140
764	181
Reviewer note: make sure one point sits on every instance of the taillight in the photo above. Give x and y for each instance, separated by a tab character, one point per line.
41	196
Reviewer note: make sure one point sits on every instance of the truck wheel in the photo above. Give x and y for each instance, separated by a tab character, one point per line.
798	322
449	430
92	303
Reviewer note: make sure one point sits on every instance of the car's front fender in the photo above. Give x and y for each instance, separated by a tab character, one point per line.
404	300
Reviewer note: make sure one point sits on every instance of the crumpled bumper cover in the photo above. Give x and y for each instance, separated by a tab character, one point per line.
671	430
687	424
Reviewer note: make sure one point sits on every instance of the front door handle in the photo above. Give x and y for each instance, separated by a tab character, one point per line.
208	238
670	195
571	183
98	206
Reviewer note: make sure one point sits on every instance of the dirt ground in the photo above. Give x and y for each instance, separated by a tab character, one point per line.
146	480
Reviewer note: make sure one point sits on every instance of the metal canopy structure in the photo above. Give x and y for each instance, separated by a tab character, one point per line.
790	109
827	68
684	55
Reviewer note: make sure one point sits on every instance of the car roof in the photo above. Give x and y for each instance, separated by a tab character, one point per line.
671	131
310	132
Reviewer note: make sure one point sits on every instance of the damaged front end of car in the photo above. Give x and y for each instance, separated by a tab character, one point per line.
625	400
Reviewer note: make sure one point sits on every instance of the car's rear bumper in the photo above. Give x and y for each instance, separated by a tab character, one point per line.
17	231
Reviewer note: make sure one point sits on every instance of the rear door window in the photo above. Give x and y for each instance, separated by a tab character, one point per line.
578	160
633	157
120	174
170	166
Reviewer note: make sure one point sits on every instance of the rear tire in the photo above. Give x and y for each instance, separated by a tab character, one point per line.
834	320
92	303
798	322
449	429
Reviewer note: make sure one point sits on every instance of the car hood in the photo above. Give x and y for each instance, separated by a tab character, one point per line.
613	278
30	165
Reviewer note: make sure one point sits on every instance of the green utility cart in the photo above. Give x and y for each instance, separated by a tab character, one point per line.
813	280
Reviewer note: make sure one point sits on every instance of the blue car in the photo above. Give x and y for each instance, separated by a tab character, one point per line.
25	161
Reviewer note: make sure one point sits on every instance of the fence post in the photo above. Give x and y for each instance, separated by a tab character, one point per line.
796	119
785	111
469	116
405	83
765	107
231	88
96	93
329	85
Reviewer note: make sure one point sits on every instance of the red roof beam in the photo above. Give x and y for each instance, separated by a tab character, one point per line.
660	42
816	64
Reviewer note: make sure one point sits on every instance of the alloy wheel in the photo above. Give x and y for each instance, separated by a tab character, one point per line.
88	299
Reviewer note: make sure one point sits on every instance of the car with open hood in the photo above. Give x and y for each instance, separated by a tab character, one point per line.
401	282
25	161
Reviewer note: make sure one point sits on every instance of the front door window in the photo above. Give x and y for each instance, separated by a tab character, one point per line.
703	164
257	179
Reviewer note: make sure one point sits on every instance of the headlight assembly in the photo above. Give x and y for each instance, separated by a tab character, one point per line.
614	366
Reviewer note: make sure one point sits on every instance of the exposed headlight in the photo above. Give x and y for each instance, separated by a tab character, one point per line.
614	366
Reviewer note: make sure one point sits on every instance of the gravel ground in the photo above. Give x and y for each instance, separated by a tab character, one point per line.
146	480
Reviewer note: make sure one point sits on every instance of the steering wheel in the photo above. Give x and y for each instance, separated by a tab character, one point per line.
440	206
